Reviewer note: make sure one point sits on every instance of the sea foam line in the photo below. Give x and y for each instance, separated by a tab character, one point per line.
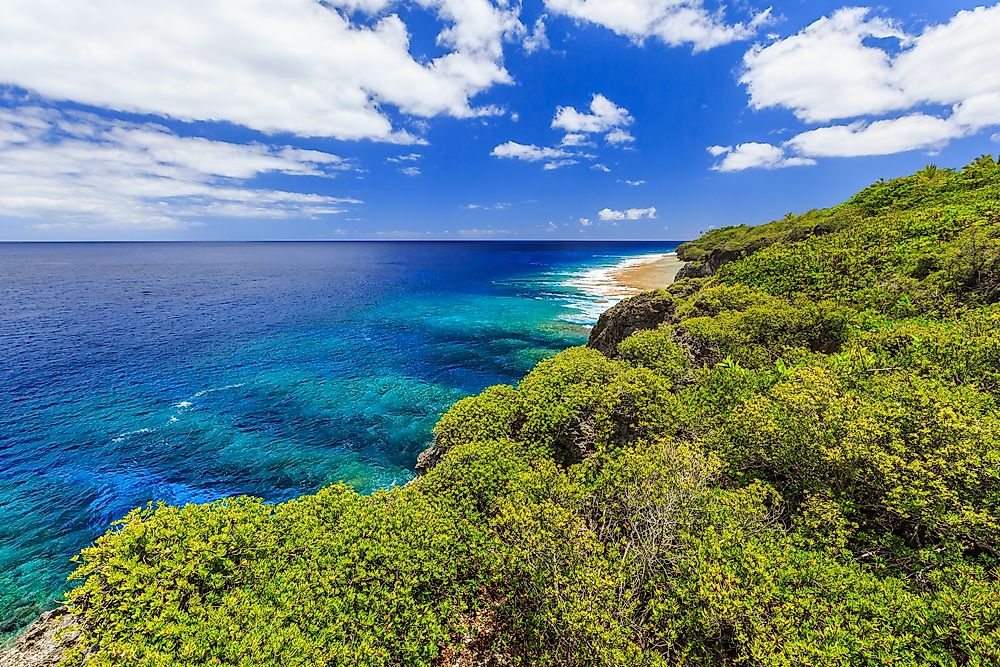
599	289
215	389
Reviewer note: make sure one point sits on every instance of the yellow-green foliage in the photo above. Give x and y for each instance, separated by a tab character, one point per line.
335	578
802	469
568	406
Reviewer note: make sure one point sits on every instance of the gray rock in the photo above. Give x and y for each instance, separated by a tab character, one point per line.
712	263
44	642
645	311
429	458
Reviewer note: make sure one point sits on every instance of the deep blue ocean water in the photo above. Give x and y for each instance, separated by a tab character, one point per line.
186	372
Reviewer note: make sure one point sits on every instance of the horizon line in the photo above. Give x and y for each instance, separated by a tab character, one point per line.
377	240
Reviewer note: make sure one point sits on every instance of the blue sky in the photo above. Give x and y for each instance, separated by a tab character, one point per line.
465	119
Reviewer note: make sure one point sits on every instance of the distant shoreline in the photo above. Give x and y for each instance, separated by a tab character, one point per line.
649	275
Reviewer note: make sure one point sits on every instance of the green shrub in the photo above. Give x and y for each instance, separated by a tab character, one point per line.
487	416
656	350
805	470
900	455
580	402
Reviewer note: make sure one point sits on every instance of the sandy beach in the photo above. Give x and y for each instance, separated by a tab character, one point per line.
607	285
649	275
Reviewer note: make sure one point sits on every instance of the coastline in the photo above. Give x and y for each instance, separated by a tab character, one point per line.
649	275
605	286
41	644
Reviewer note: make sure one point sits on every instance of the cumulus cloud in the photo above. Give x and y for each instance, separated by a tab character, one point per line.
537	40
826	71
586	222
410	171
604	115
832	70
618	137
528	152
307	69
601	167
364	6
882	137
558	164
78	171
575	139
674	22
409	157
861	138
757	155
608	214
634	184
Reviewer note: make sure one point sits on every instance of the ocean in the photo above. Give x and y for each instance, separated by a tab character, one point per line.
187	372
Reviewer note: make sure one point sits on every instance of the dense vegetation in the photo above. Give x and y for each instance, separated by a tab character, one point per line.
801	466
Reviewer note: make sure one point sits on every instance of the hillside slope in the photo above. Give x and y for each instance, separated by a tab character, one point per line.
794	461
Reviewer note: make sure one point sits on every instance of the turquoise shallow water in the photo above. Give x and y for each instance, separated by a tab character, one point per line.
189	372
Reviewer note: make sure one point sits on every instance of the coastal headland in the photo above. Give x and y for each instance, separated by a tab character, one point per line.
789	456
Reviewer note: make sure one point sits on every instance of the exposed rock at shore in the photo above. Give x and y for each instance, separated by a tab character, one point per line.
42	644
708	265
645	311
429	458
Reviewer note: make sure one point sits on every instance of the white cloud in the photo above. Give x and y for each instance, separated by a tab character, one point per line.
830	70
618	136
634	183
78	171
537	40
834	70
301	67
604	115
528	152
558	164
953	62
674	22
586	222
882	137
409	157
499	206
995	137
410	171
977	112
365	6
606	214
860	138
575	139
601	167
756	155
826	71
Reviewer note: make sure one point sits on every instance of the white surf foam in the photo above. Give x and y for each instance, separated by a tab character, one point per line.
598	289
203	392
121	437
